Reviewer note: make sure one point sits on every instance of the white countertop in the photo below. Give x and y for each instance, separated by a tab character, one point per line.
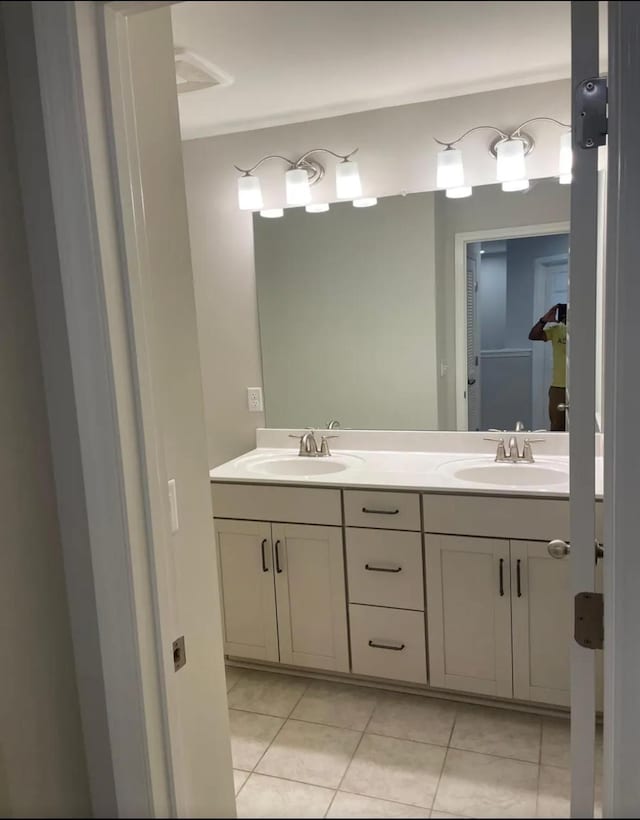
398	470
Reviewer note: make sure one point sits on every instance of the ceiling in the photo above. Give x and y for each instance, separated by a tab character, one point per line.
295	61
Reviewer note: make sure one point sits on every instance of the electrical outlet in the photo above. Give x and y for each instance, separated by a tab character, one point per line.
254	399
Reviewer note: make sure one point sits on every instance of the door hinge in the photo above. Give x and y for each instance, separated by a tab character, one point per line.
589	620
590	113
179	653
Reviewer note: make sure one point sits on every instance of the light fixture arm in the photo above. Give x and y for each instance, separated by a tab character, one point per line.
301	162
470	131
343	157
247	171
516	133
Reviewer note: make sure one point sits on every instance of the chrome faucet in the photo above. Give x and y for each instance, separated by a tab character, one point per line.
513	455
514	450
309	445
333	424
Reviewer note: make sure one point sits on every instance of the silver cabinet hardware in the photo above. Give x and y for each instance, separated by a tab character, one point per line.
377	645
380	512
382	569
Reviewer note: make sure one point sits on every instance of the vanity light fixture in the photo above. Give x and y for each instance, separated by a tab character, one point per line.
301	174
365	202
509	150
317	207
272	213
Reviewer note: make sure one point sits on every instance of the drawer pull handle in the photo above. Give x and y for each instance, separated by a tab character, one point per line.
278	567
380	512
382	569
265	568
502	577
377	645
519	580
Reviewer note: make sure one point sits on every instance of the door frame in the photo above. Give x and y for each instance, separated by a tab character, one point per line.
461	240
538	385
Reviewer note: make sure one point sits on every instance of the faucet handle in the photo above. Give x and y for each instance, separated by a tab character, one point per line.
324	445
490	438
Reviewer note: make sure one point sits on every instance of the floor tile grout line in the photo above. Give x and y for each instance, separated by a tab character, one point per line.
539	767
350	761
435	792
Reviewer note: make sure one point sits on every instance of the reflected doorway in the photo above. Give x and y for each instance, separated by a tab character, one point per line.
512	283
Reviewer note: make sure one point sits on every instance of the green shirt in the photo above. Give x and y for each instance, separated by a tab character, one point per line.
557	335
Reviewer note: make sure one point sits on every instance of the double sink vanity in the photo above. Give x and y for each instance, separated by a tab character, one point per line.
409	558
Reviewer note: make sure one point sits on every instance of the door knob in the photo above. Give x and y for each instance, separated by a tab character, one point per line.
558	548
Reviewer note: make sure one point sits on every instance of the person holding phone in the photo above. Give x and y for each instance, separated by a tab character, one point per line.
557	335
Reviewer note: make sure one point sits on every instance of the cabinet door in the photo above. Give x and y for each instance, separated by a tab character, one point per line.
310	596
542	613
247	589
469	614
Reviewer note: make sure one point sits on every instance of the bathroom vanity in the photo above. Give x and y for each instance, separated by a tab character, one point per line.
406	566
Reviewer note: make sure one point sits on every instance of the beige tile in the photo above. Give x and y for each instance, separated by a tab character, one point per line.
310	753
414	718
233	676
478	785
267	693
356	805
497	732
334	704
556	743
554	793
250	736
400	770
239	779
271	797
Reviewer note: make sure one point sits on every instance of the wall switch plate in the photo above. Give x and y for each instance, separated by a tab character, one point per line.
173	506
254	399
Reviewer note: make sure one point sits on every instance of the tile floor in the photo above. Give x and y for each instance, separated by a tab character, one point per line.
305	748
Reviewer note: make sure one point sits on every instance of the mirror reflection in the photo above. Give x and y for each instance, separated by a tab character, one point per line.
419	313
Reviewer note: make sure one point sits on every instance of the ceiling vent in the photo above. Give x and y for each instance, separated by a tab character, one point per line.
193	73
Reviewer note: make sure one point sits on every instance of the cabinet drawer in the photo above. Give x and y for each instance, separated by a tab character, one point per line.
388	643
295	505
388	511
385	568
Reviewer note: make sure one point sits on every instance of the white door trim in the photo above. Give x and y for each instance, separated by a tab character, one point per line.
461	239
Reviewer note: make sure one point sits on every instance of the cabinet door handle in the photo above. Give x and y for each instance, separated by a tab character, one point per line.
380	512
518	580
278	567
377	645
502	577
265	541
382	569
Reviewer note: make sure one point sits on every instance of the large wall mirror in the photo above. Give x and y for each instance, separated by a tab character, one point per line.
420	313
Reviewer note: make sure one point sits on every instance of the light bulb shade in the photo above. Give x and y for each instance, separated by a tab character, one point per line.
565	160
460	192
317	208
365	202
348	185
564	179
298	188
516	185
249	193
449	171
511	165
272	213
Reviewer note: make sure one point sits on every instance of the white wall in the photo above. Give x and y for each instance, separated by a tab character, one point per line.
397	153
347	315
42	759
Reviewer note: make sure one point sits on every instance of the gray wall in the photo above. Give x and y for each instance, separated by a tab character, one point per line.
346	301
488	208
42	760
396	154
492	300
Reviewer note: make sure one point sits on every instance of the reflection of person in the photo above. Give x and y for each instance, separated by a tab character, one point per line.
557	335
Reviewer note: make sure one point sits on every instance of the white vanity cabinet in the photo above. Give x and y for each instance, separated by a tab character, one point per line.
282	584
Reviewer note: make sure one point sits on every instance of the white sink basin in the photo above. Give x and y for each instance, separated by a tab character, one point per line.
302	466
540	474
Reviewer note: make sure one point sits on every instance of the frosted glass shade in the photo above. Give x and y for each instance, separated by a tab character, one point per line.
298	188
460	192
249	193
516	185
317	208
511	165
365	202
565	160
348	185
272	213
449	171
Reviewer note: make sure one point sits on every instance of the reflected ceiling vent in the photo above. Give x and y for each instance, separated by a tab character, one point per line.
193	73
